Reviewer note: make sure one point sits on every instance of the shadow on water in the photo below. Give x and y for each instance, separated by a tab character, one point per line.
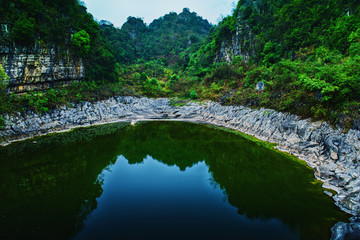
50	187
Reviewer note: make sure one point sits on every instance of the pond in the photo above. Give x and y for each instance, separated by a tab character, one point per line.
159	180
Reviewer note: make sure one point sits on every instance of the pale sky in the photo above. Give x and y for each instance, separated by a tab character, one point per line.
117	11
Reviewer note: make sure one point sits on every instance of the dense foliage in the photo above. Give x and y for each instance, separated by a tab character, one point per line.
64	24
165	39
50	21
81	42
305	52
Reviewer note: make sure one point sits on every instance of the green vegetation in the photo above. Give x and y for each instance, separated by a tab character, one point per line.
49	21
306	52
61	23
168	39
24	30
3	76
3	95
81	42
42	102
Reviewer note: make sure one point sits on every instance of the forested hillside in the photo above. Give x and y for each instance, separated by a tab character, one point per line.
165	39
306	53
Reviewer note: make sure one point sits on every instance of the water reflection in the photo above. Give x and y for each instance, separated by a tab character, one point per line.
50	188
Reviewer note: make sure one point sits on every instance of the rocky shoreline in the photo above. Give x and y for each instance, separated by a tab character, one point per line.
334	155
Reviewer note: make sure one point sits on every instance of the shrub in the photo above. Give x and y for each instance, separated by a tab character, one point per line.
154	82
143	78
4	78
174	79
153	87
78	97
271	53
193	94
2	123
216	88
4	98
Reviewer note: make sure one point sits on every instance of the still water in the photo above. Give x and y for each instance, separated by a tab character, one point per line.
158	180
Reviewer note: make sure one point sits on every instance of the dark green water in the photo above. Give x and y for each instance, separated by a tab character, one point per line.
158	180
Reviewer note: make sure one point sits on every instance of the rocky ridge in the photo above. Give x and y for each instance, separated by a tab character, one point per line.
334	155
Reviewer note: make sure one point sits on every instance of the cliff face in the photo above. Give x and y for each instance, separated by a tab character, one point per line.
241	44
241	40
33	68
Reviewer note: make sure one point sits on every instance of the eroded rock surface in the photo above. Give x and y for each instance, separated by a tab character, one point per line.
38	67
346	231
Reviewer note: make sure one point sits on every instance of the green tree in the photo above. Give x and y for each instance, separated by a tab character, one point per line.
81	42
23	31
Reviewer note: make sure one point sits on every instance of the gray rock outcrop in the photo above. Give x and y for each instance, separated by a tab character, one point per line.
38	67
240	41
346	231
241	44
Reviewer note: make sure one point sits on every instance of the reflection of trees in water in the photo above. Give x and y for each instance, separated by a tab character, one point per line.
261	183
59	176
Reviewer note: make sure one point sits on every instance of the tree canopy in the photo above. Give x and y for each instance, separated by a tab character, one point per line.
165	38
305	52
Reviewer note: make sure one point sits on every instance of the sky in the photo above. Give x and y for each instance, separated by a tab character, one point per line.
117	11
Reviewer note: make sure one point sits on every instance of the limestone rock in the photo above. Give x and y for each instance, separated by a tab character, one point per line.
346	231
39	67
241	44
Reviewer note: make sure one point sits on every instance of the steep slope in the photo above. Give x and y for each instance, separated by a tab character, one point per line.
282	27
47	42
304	52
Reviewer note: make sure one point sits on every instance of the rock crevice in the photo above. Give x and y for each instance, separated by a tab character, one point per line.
31	68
